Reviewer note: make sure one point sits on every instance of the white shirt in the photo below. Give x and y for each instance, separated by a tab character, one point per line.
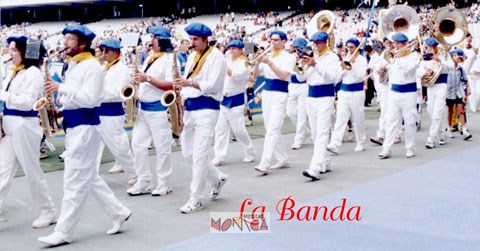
358	71
236	83
284	60
402	70
162	68
115	79
326	70
25	89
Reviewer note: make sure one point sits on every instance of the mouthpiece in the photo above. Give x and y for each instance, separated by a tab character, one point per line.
191	47
62	50
8	60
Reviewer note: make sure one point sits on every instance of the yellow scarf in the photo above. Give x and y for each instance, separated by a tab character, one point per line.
82	56
17	68
276	52
242	57
323	51
154	57
108	65
200	64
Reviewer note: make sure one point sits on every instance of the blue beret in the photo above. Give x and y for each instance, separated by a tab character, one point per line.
22	39
353	41
198	29
235	43
431	42
281	34
112	43
400	38
319	36
459	52
79	30
160	32
299	42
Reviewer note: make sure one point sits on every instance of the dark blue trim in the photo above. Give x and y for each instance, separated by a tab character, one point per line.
111	109
402	88
233	101
13	112
352	87
276	85
201	103
155	106
294	80
81	116
318	91
442	79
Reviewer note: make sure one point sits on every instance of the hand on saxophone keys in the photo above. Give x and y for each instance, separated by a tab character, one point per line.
140	77
182	82
51	87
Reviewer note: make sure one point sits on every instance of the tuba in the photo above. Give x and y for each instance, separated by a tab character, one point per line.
450	28
173	101
322	21
129	93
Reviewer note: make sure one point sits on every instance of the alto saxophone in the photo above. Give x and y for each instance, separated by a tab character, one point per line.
129	93
172	100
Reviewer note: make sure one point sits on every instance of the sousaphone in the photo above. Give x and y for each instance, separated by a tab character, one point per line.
401	18
322	21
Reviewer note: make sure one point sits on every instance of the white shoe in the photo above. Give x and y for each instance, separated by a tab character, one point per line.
249	158
45	219
132	180
116	169
397	140
351	136
280	165
384	154
117	225
217	187
262	169
176	142
249	122
430	145
448	133
309	173
359	148
410	153
218	162
467	135
161	191
140	188
333	149
296	146
376	140
55	239
325	167
191	206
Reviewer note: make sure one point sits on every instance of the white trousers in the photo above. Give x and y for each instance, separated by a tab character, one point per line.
231	118
474	98
152	126
273	110
296	111
319	112
197	137
436	104
382	96
81	178
349	104
401	105
22	148
115	138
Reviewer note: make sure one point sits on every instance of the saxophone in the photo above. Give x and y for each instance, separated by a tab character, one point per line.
172	100
129	93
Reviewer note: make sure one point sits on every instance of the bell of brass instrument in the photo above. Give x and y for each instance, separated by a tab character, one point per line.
401	18
449	26
129	93
172	100
322	21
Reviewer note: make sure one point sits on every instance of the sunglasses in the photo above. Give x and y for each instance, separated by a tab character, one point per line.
104	49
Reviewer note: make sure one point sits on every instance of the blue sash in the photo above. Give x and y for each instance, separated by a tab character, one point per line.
402	88
294	80
111	109
442	79
81	116
233	101
201	103
276	85
318	91
155	106
352	87
13	112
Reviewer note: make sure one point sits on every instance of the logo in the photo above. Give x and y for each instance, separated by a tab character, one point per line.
243	222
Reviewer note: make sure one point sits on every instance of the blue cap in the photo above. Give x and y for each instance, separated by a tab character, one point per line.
459	52
198	29
353	41
160	32
400	38
111	43
235	43
431	42
299	42
319	36
280	33
79	30
20	38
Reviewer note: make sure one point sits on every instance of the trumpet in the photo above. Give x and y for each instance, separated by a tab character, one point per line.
347	64
255	61
390	55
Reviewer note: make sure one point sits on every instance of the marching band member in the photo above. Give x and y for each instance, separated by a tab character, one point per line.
232	107
297	97
111	110
152	119
437	93
80	95
351	99
321	75
401	97
202	88
277	68
20	146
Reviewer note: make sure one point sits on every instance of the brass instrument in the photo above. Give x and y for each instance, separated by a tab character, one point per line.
401	18
255	61
347	64
322	21
129	93
172	100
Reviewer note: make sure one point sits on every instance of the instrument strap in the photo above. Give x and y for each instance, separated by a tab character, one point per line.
196	64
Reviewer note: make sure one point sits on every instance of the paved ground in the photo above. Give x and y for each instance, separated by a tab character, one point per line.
429	202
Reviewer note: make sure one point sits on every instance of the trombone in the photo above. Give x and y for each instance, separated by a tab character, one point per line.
255	61
347	64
